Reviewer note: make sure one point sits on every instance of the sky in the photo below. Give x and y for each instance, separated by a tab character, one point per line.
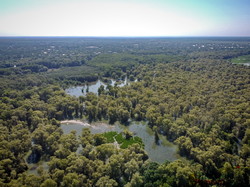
125	18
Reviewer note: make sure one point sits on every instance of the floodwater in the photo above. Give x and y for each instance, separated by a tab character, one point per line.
82	90
157	152
160	152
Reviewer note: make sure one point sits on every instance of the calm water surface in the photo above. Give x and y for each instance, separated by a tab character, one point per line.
157	153
82	90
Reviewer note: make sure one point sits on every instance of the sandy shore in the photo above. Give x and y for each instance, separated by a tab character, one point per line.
75	122
95	125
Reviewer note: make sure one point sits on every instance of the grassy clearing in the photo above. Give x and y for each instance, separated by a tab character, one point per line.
241	59
133	140
124	143
110	136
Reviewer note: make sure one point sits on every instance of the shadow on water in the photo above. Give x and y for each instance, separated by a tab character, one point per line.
33	158
157	139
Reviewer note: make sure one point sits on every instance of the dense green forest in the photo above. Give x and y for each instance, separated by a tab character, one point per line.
187	89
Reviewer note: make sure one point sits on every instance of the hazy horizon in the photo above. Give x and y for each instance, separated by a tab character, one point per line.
137	37
125	18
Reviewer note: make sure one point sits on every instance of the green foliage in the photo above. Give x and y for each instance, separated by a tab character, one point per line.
110	136
186	90
49	183
122	140
125	143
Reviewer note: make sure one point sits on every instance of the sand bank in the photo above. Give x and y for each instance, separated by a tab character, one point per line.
68	122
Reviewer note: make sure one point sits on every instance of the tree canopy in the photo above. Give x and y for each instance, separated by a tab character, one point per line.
186	89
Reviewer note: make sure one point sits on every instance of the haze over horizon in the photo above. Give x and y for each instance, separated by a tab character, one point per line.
130	18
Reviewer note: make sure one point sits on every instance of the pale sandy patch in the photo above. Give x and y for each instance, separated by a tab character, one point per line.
68	122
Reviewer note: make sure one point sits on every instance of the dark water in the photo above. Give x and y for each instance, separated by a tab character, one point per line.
156	152
82	90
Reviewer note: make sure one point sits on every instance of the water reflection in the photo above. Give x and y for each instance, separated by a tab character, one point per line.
83	90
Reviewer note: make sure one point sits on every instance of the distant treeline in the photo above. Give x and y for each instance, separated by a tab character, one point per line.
187	90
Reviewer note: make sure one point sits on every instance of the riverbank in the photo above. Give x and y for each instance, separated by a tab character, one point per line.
86	124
